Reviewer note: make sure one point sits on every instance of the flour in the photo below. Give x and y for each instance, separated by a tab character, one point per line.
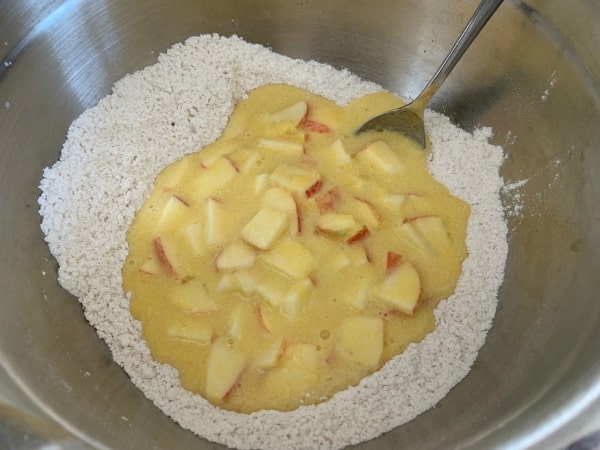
109	160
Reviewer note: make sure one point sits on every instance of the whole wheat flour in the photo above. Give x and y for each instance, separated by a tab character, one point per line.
114	151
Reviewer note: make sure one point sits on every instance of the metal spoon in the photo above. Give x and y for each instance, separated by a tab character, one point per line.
408	119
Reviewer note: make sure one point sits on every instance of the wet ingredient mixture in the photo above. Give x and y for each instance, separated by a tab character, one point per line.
290	259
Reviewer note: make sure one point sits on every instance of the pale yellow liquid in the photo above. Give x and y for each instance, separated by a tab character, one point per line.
309	366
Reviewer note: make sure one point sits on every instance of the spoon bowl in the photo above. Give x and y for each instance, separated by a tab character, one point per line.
408	119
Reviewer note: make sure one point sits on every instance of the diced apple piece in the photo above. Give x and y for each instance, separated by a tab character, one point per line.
313	189
260	183
272	289
217	150
339	261
296	296
433	229
166	255
290	147
235	256
195	331
215	225
360	234
241	323
336	154
171	177
296	225
365	212
357	291
294	113
265	228
312	126
192	296
299	180
279	199
271	356
245	160
286	131
339	226
327	200
282	200
268	318
247	282
227	282
290	257
236	324
152	267
267	283
358	255
401	288
361	341
297	373
380	157
392	261
302	355
416	205
174	211
209	180
416	238
395	201
291	382
195	237
225	366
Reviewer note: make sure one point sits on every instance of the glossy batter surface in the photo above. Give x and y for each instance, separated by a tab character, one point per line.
290	259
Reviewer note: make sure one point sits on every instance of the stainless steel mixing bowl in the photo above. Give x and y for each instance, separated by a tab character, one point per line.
533	75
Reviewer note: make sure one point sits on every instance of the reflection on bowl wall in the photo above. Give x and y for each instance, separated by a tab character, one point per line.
533	75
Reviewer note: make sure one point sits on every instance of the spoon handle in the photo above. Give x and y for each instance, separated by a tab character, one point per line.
480	17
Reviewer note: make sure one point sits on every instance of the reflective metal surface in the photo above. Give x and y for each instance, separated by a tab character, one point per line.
409	118
533	74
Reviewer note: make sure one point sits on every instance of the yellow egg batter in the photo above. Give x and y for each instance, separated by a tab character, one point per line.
290	259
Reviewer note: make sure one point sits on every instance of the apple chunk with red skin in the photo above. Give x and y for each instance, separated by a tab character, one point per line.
192	296
224	368
295	114
172	213
365	212
312	126
271	356
428	233
341	226
392	261
191	330
297	179
327	200
401	288
152	267
433	229
209	180
268	318
165	255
